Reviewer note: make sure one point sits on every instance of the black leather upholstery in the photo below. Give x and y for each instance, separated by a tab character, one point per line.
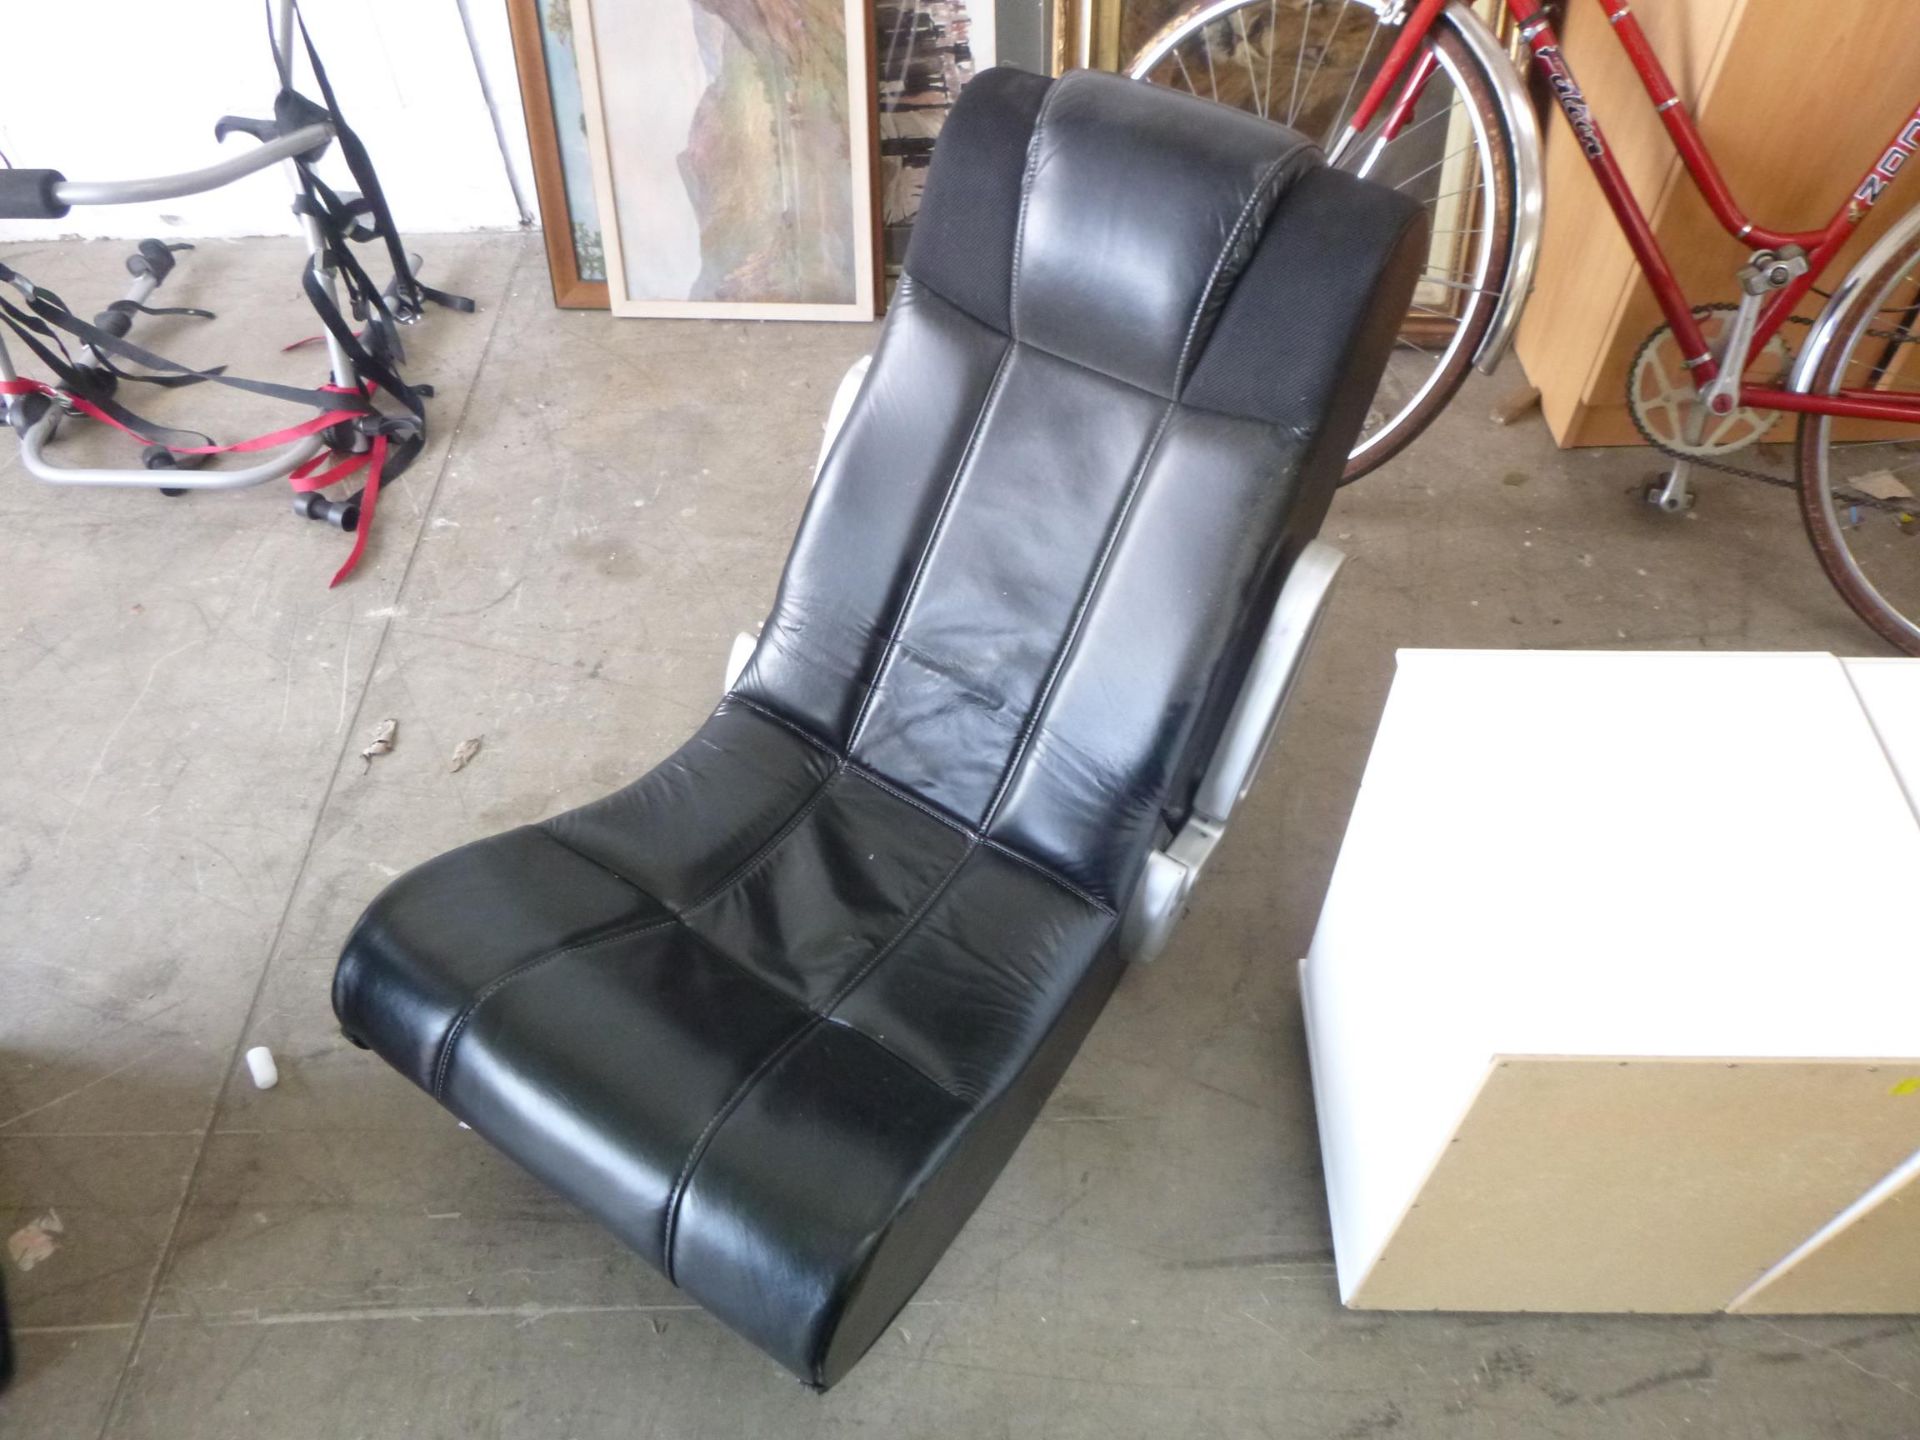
778	1012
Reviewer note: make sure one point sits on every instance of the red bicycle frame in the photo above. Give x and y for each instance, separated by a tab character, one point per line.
1821	245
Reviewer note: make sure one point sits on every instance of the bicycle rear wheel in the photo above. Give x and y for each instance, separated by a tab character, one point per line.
1307	63
1860	497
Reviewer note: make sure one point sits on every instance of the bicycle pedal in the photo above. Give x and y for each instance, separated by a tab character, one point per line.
1662	495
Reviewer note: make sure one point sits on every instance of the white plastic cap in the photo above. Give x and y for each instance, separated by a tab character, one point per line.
260	1065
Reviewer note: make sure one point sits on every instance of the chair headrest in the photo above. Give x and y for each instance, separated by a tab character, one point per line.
1100	218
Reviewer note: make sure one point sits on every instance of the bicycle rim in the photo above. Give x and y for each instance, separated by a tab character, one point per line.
1307	63
1860	493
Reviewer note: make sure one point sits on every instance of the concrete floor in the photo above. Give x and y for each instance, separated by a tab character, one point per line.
187	831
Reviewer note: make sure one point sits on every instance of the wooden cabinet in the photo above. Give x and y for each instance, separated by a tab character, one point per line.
1794	101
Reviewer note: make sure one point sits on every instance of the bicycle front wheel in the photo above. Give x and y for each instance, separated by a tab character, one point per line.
1307	63
1859	480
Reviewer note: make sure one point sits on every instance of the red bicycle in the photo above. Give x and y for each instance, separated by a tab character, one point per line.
1439	110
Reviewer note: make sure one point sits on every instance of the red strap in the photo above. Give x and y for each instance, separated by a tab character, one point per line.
318	423
314	340
376	457
303	478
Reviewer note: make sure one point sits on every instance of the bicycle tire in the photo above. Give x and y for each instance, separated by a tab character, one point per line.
1163	55
1825	495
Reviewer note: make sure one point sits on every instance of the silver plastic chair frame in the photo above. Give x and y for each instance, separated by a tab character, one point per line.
1166	885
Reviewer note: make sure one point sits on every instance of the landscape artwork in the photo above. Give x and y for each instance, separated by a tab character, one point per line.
925	51
732	155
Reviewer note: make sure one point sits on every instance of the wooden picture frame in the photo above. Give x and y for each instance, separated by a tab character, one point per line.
559	218
773	236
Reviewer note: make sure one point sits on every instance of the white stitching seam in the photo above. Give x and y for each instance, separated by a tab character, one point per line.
1026	195
933	540
1261	188
526	967
1038	713
854	768
819	1017
979	421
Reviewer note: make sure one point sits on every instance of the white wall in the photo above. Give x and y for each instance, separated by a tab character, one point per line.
157	75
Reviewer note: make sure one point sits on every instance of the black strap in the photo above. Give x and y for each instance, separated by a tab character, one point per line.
92	385
131	307
360	165
51	309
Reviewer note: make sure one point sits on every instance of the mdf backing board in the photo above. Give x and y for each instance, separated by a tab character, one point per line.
1639	1185
1866	1261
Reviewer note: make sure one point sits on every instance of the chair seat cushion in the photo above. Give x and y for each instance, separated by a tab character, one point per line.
745	1011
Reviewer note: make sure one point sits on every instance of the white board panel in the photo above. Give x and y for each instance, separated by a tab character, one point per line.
1597	853
145	104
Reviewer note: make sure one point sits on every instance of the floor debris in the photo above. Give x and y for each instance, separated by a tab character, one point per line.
464	752
382	743
1515	405
36	1240
1882	485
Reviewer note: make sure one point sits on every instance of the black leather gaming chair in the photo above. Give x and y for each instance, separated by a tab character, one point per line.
778	1012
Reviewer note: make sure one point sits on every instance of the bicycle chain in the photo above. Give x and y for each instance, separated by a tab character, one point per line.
1897	337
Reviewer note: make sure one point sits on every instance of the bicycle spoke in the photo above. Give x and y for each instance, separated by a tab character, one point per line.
1847	446
1192	89
1419	125
1206	39
1273	30
1246	59
1428	170
1366	141
1347	99
1300	59
1321	59
1429	278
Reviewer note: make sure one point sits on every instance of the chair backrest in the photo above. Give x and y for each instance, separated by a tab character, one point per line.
1135	339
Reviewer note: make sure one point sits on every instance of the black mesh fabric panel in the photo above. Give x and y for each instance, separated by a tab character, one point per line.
962	246
1285	335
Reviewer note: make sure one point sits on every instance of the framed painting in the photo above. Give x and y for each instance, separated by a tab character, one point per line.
925	51
543	55
732	146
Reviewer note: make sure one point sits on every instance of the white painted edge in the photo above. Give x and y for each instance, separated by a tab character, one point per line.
1872	1198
